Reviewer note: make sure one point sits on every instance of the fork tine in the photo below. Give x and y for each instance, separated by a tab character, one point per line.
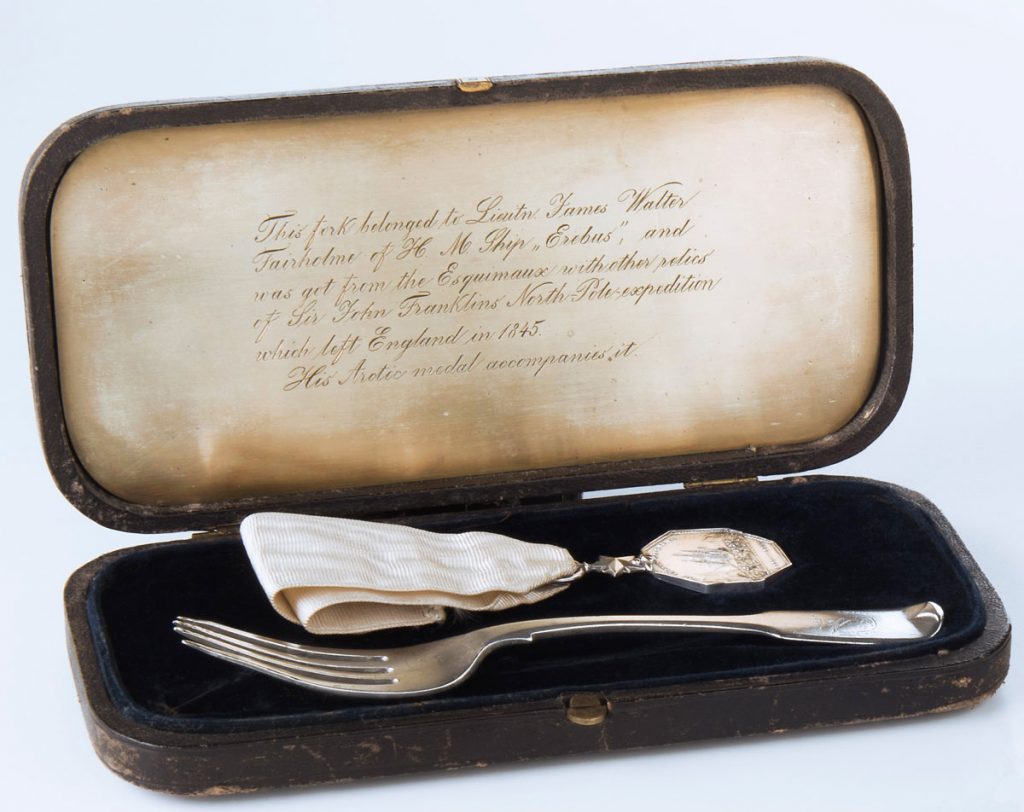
295	660
285	653
299	670
334	684
268	643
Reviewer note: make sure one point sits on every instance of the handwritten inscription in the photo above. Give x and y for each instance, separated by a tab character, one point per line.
487	288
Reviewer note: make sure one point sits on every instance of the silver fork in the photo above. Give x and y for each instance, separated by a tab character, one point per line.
441	664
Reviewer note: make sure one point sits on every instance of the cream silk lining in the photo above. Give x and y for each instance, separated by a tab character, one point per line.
343	576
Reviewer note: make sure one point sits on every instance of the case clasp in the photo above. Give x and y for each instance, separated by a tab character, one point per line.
587	709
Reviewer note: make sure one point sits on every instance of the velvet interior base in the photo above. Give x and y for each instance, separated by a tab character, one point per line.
854	544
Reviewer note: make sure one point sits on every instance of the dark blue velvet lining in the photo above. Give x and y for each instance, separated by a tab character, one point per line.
854	544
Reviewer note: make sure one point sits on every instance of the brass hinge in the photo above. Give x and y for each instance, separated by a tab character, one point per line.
475	85
720	483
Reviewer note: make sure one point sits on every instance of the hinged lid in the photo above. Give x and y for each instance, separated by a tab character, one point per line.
407	298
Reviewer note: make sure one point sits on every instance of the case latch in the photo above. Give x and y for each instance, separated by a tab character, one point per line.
587	709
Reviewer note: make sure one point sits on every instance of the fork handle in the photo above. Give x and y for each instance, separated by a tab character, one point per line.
851	627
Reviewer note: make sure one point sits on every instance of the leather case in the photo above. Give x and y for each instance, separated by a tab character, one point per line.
464	305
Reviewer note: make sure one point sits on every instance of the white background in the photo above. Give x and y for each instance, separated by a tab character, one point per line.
955	73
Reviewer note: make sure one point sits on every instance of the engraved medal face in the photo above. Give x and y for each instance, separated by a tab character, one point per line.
714	560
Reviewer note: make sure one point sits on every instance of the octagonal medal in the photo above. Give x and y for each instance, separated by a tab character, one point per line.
714	560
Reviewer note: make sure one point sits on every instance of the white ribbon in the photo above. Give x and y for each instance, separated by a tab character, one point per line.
343	576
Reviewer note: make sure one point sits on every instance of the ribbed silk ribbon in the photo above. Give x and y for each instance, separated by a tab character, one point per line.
344	576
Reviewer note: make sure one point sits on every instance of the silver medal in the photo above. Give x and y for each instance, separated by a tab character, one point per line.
707	560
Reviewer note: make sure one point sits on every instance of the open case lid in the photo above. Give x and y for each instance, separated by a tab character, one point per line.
407	298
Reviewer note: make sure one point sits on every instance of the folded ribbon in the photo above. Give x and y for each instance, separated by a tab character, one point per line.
344	576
